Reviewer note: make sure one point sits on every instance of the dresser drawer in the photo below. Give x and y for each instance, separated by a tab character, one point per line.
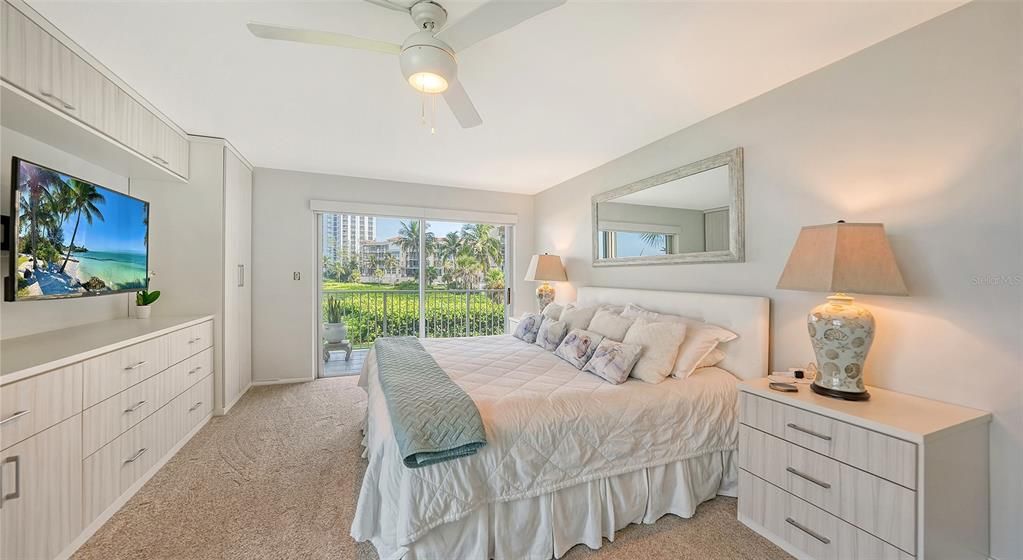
806	528
190	341
879	454
880	507
30	406
190	371
112	417
109	374
195	404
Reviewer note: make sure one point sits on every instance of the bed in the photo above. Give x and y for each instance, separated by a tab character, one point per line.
570	458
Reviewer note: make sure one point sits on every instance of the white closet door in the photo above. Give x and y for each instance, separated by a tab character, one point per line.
237	288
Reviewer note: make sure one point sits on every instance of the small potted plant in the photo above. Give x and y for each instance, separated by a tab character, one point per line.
144	300
334	329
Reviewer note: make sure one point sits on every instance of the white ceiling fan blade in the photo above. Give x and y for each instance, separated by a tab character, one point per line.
492	18
460	104
313	37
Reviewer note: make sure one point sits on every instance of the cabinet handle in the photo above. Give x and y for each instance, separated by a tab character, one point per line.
16	459
14	416
195	406
241	276
808	431
807	477
63	103
135	406
135	457
807	530
159	159
136	366
195	369
194	340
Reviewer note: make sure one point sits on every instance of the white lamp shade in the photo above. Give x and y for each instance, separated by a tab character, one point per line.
546	268
842	257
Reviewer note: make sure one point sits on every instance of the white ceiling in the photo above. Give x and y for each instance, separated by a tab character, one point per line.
560	94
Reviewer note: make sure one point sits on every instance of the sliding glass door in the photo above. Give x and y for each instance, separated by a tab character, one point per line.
395	276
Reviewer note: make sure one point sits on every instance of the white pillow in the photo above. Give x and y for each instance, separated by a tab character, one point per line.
610	324
578	317
701	338
660	342
715	357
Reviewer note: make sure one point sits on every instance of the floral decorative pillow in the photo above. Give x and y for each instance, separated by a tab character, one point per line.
551	334
613	360
578	347
529	325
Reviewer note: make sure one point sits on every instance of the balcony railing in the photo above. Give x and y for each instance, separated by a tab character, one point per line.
369	314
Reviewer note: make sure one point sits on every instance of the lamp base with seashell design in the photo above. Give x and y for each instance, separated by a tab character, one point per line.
841	333
544	296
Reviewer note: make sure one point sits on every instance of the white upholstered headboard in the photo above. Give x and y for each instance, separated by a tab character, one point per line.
747	316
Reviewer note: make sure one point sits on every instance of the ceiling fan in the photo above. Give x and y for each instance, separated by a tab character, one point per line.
427	57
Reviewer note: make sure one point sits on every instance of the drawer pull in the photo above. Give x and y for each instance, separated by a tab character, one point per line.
135	457
809	432
14	416
63	103
807	530
16	459
807	477
195	369
136	366
194	340
159	159
195	406
135	406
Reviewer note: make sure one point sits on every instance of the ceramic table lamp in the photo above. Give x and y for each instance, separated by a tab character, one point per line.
842	258
545	268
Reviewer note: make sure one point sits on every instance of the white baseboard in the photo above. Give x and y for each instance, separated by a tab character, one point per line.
283	381
87	533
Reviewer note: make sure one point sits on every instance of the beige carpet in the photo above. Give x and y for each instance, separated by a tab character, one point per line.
278	478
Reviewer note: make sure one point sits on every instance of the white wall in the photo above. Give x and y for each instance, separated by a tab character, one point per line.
29	317
921	132
284	242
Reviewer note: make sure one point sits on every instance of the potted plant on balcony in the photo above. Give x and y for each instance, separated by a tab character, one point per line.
334	330
144	299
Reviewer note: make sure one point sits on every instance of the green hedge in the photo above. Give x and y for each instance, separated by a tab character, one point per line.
445	315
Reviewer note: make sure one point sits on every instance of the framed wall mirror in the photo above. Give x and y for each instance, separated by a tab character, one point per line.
691	214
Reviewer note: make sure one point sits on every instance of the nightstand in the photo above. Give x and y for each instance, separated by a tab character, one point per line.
895	477
513	323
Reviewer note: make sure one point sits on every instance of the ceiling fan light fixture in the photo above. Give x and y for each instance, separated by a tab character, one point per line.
428	82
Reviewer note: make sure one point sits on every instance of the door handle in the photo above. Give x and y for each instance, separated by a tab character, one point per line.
16	459
241	276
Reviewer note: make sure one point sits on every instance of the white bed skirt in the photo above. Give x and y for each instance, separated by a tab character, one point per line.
548	526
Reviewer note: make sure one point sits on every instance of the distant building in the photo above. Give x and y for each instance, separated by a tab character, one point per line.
344	235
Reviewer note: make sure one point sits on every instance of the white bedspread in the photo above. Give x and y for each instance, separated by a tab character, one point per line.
549	426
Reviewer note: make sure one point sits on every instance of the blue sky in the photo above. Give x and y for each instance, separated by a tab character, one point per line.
122	228
388	227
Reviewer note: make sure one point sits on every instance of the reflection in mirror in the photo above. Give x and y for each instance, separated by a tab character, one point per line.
683	215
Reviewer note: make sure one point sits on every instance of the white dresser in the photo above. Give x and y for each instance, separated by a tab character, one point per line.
87	415
895	477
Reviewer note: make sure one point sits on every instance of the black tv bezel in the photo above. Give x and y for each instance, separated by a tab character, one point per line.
11	286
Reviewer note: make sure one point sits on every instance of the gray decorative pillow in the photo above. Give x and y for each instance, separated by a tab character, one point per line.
610	324
529	325
578	347
552	311
578	317
613	360
551	334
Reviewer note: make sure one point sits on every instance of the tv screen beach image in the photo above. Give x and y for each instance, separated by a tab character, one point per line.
75	238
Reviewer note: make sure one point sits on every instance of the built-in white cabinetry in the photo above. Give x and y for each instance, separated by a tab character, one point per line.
86	416
53	90
237	277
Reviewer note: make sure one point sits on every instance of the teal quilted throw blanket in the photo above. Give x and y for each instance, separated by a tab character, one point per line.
434	420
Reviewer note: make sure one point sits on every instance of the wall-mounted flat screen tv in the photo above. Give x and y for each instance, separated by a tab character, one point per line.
73	238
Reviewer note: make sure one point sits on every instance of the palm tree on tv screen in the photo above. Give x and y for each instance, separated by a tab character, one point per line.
83	199
36	187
